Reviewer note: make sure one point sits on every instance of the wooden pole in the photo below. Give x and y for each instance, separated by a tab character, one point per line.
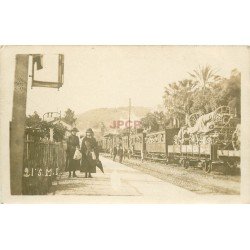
17	128
51	134
129	111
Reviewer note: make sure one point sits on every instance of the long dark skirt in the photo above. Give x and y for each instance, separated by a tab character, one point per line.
88	165
73	165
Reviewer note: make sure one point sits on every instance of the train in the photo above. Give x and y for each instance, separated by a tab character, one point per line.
206	141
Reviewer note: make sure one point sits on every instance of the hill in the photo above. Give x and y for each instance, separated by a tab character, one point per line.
103	118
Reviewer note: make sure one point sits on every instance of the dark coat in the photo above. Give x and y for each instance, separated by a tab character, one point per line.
72	143
89	146
115	151
120	152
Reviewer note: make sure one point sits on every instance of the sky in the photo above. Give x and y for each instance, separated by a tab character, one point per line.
107	76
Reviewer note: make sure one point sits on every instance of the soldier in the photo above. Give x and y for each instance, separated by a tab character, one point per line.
125	153
114	152
129	153
90	153
72	144
120	153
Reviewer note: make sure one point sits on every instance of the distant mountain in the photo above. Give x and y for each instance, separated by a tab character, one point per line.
102	118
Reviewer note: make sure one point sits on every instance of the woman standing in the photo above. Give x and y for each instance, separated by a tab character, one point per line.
90	153
72	145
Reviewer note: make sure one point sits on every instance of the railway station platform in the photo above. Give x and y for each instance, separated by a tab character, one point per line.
120	182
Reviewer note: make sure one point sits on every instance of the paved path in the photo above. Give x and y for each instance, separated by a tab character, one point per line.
121	181
123	184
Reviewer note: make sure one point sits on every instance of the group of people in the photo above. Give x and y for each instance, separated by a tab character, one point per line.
118	151
121	152
89	151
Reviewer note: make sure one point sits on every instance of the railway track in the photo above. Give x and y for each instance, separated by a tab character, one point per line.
192	179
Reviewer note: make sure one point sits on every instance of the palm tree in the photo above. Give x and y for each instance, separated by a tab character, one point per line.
204	77
174	88
177	98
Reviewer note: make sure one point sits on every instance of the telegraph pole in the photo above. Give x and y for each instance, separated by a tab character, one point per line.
17	127
129	111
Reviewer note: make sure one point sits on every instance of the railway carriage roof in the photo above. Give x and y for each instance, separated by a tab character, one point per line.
156	133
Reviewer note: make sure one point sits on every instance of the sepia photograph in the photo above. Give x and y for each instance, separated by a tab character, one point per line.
124	124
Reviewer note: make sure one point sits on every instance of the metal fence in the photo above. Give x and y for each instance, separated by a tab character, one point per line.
43	163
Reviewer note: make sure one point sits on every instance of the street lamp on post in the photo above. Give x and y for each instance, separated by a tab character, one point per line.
51	113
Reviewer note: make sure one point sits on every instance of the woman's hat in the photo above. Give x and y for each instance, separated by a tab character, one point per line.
74	129
89	130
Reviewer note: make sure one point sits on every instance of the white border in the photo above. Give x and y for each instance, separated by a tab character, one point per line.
125	227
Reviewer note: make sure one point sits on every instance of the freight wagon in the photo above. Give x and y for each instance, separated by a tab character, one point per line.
204	156
208	140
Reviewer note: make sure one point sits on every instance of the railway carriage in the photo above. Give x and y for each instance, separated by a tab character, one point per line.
156	144
125	140
206	141
105	144
137	142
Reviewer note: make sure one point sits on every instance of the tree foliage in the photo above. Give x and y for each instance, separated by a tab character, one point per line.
203	93
204	77
178	99
33	120
69	117
59	132
231	91
153	121
39	129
